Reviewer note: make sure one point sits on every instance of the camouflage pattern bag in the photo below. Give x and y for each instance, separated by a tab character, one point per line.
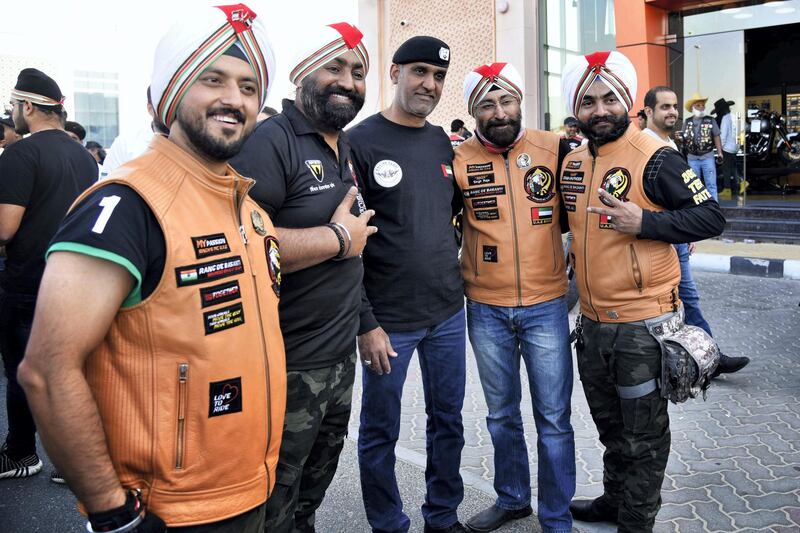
689	357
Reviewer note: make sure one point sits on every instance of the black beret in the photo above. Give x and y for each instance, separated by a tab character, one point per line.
31	80
570	121
76	128
6	120
423	49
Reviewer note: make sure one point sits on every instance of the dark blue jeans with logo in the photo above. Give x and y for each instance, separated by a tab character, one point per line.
441	350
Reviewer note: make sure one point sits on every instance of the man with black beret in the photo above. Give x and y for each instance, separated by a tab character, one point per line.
414	291
10	136
40	176
75	131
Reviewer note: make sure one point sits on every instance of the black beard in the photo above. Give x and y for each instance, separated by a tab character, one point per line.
619	125
213	148
497	137
324	115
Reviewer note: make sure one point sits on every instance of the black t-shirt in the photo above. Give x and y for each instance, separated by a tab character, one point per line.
43	173
300	183
411	272
114	223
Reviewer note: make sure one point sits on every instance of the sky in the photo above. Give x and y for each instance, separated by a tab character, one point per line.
121	35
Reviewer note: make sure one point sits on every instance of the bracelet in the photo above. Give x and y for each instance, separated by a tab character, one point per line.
348	239
342	246
138	508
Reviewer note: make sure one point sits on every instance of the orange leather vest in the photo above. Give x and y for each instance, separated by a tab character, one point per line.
620	278
511	253
191	382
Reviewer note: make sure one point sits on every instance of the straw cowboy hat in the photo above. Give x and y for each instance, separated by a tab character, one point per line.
693	100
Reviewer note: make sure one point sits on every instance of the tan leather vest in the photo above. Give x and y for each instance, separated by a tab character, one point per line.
620	278
191	383
511	253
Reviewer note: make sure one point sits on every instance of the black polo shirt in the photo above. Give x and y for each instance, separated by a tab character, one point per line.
300	182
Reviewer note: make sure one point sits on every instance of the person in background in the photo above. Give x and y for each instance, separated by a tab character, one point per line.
97	151
641	118
75	131
700	138
727	136
10	136
571	133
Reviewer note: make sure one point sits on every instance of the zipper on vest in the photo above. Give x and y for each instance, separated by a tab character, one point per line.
476	256
237	201
514	229
637	271
586	242
183	378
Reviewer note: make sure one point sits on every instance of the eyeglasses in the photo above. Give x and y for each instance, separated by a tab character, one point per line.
488	106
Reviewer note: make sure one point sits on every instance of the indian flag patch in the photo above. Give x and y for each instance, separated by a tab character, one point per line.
541	215
188	275
447	170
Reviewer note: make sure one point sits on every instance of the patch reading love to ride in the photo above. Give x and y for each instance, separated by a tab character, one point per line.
225	397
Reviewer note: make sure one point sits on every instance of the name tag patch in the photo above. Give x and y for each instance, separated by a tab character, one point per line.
572	176
570	198
212	270
574	164
217	294
477	203
570	207
487	214
572	187
490	254
223	318
225	397
480	167
492	190
208	245
480	179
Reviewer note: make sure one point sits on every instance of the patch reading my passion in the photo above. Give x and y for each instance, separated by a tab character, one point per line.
208	245
217	294
223	318
210	271
225	397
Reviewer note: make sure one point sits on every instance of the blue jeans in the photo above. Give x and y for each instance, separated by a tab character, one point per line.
540	335
442	360
687	290
707	170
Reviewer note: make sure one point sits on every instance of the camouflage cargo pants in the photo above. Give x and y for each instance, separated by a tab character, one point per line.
317	415
635	431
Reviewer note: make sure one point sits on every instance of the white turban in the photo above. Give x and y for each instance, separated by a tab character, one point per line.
485	78
324	45
612	68
199	39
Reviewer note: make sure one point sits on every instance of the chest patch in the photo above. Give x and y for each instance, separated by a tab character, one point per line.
541	215
316	168
212	270
208	245
572	177
523	161
489	254
617	183
387	173
480	179
487	214
225	397
223	318
493	190
480	167
273	263
540	185
217	294
574	165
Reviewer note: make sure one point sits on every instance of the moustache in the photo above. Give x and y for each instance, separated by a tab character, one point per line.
605	118
352	95
497	123
238	115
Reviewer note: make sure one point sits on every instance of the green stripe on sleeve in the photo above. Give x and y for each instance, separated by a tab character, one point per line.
135	296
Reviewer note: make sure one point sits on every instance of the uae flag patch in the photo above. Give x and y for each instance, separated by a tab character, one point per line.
605	222
447	171
541	215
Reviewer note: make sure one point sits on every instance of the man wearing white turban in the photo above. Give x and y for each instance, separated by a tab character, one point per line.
155	368
628	198
514	275
301	161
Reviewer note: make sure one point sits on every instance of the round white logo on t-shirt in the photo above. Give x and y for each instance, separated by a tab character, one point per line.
387	173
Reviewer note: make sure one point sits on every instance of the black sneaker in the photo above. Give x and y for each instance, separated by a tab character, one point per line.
55	477
729	365
27	466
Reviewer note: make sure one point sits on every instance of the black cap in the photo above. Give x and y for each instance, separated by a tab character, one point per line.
76	128
570	121
423	49
6	120
31	80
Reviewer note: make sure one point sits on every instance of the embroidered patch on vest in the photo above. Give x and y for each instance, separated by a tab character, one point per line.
208	245
223	318
541	215
573	187
617	183
570	207
273	252
490	254
217	294
480	167
570	198
574	164
225	397
523	161
477	203
212	270
492	190
480	179
574	177
258	222
606	222
487	214
540	185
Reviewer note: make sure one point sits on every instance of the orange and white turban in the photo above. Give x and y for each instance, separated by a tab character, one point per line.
201	37
318	48
486	78
611	68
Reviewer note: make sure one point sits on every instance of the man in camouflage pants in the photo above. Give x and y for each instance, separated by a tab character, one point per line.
627	197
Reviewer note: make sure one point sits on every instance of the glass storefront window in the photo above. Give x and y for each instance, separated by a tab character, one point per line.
570	28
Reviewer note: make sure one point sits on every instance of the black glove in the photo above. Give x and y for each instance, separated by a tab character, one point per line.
121	516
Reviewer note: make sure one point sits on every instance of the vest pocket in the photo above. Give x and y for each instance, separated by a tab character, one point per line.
180	441
636	268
